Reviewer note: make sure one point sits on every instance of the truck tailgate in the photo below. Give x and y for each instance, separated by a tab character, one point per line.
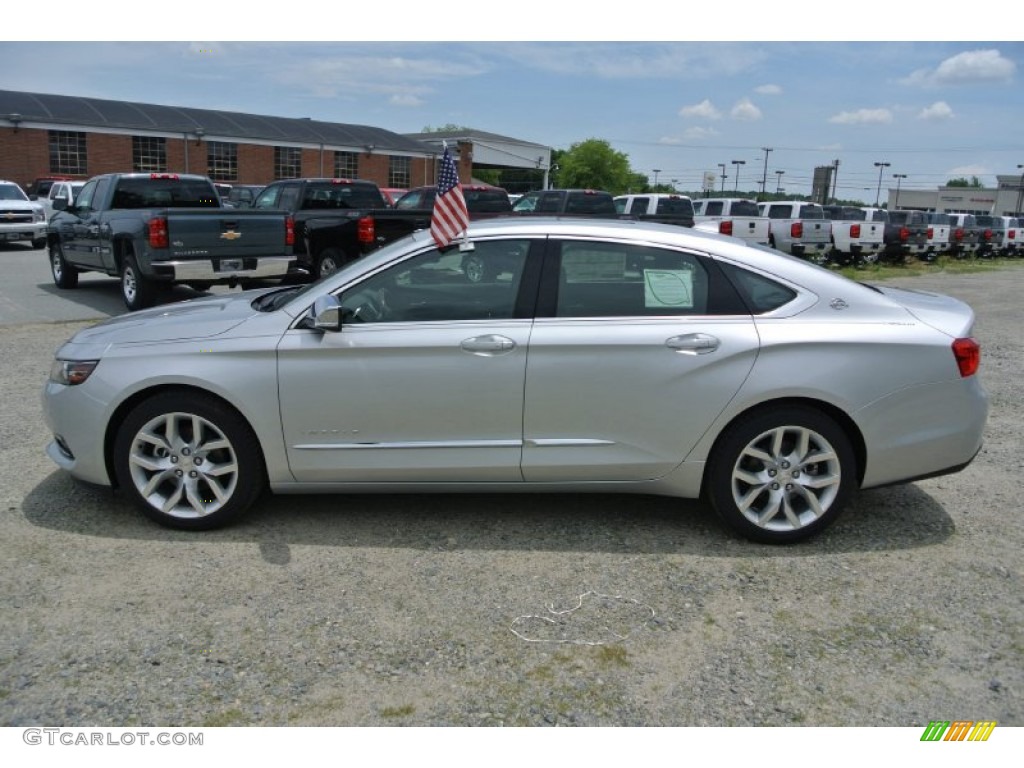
200	233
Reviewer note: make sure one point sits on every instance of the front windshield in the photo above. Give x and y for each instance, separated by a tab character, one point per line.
12	192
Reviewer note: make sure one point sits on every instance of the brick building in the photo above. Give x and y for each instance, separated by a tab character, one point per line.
51	135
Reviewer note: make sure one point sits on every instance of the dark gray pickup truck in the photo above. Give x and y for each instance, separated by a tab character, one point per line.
156	229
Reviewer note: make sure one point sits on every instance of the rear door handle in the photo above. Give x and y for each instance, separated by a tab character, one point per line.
693	343
488	345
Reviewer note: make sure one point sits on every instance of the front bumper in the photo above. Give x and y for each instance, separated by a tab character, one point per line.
27	231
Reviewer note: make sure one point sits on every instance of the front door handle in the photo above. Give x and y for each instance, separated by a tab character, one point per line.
488	345
693	343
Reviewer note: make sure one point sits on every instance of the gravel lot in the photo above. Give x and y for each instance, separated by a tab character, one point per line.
458	610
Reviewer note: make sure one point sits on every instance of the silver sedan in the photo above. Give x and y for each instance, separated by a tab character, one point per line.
596	355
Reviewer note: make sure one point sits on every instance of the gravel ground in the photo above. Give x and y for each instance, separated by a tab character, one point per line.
514	610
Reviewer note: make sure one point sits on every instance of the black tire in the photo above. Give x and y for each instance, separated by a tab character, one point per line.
137	290
784	498
183	477
64	275
39	243
329	261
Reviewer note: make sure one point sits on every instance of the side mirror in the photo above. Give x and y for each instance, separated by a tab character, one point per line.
327	313
60	204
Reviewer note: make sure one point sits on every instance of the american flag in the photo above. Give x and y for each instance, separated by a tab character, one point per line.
450	216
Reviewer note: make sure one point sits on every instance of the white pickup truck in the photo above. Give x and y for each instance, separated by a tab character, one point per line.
737	217
939	230
854	238
798	228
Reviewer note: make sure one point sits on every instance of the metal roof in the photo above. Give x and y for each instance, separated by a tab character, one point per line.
80	111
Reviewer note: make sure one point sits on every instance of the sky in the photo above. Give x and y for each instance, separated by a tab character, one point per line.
932	109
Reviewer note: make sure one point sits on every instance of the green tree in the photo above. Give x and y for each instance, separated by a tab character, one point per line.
962	181
593	164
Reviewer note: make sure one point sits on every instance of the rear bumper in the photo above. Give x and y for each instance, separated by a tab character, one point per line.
224	270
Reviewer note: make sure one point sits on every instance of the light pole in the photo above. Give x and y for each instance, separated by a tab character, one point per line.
656	172
722	166
738	163
764	175
778	184
899	177
881	167
1020	188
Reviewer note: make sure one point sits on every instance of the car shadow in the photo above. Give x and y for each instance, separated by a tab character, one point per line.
896	518
103	295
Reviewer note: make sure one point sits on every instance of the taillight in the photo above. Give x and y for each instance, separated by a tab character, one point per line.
958	234
855	230
987	234
968	356
796	230
289	230
365	231
904	233
725	227
1011	235
931	233
158	232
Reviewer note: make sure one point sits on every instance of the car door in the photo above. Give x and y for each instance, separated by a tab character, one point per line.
424	381
635	351
80	227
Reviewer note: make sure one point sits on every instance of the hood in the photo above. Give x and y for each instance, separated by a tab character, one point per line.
944	313
193	319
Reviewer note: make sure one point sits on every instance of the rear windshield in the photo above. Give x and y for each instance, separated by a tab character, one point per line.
744	208
487	200
677	206
938	218
588	202
811	212
147	192
325	195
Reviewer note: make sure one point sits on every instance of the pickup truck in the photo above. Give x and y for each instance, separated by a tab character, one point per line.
591	202
906	233
854	238
20	218
737	217
661	207
993	235
798	228
1012	244
964	235
156	229
938	234
338	220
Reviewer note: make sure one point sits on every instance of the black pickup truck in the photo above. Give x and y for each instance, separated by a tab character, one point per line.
338	220
155	229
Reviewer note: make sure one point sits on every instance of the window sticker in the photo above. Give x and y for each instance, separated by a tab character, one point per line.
668	288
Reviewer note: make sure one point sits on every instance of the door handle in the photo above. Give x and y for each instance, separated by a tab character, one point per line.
488	345
693	343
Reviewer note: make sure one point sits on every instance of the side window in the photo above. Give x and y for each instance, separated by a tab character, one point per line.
268	198
621	204
84	201
549	203
410	200
760	293
624	280
289	199
436	286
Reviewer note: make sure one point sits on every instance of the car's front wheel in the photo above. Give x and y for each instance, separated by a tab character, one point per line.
781	475
188	461
64	275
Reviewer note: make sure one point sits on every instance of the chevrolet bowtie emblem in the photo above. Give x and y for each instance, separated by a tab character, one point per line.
9	215
230	235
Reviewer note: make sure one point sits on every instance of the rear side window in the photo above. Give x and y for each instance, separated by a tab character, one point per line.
760	293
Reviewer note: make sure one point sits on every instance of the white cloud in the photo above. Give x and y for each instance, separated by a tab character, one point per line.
862	116
744	109
940	110
705	110
769	89
697	132
967	68
405	100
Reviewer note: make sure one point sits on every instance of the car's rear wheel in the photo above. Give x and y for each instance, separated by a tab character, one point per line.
137	290
188	461
329	262
64	275
781	475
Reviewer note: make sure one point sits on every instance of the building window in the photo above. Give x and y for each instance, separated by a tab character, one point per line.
346	165
287	162
398	172
67	153
149	154
222	161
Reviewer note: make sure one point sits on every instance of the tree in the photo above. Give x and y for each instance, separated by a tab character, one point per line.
974	183
593	164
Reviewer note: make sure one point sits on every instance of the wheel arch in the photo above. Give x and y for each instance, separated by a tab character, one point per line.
129	404
848	425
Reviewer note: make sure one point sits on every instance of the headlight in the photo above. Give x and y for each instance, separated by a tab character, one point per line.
72	372
39	215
